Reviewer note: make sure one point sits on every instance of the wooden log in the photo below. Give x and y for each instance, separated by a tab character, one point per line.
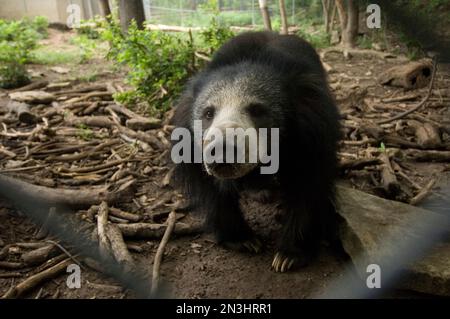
427	135
33	97
15	189
23	112
409	76
40	255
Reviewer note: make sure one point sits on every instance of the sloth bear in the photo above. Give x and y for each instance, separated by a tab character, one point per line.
263	80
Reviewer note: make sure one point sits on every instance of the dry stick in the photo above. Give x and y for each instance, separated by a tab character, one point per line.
202	56
102	221
388	178
159	253
118	247
359	163
121	214
32	86
11	265
423	193
418	106
99	87
66	252
33	281
89	152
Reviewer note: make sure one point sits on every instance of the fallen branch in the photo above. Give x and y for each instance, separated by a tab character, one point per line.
347	51
23	112
156	231
96	121
424	192
388	178
102	221
32	86
35	280
40	255
118	247
160	252
427	156
358	163
11	188
121	214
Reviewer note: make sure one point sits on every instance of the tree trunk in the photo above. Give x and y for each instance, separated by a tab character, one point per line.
333	17
351	30
342	15
265	14
326	5
284	23
104	8
131	10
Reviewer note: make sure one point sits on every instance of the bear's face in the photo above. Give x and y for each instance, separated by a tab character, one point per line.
233	106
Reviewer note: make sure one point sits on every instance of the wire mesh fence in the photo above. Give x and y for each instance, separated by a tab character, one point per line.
234	13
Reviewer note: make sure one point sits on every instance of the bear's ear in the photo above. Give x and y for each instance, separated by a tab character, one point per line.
183	110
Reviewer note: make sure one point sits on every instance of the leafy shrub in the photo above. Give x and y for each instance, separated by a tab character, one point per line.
214	36
40	25
92	28
86	45
159	63
317	36
17	41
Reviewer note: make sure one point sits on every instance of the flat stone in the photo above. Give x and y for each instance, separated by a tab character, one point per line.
374	231
35	97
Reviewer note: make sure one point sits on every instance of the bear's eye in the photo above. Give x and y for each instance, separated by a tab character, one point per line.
209	113
256	109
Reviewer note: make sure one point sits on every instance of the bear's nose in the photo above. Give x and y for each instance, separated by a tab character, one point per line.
221	151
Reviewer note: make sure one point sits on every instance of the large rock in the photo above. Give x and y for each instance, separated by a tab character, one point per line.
34	97
384	232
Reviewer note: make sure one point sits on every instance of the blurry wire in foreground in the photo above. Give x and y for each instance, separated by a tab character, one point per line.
63	225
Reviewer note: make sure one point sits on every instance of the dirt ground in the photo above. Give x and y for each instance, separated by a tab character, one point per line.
194	266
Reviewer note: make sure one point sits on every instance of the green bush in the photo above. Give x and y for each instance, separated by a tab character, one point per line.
214	36
317	36
17	41
92	28
159	63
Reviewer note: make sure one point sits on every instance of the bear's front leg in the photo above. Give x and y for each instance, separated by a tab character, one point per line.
300	234
225	219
